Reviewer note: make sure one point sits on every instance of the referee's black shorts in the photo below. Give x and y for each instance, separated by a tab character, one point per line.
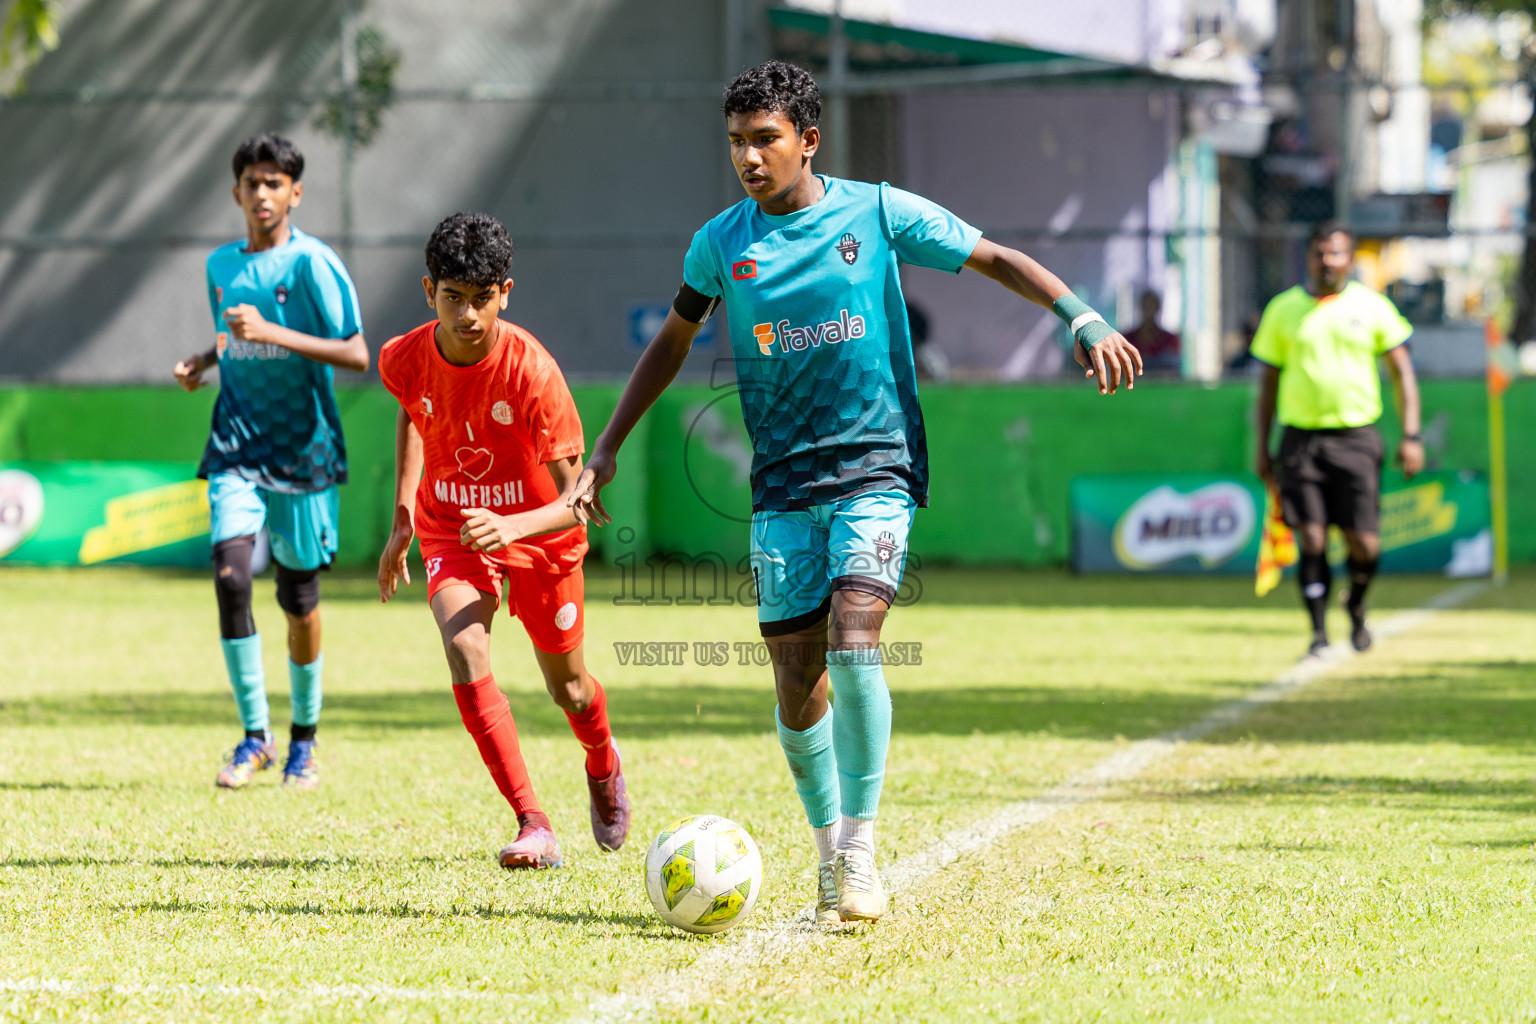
1331	476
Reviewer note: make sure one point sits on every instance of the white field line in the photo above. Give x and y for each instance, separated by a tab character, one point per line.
779	939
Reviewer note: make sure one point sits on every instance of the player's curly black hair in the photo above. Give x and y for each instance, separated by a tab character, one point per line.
267	147
470	247
775	85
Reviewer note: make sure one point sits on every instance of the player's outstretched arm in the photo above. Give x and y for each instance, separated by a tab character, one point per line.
484	530
408	464
1098	348
657	368
189	372
1405	385
246	323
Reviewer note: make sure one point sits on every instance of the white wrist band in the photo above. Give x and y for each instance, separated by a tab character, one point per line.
1085	319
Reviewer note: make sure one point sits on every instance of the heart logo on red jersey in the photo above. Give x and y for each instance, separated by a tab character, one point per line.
474	462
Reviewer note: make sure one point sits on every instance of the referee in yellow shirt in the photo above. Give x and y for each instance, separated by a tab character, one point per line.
1319	345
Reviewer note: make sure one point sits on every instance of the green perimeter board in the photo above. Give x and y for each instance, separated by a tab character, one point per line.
1001	457
90	513
1211	523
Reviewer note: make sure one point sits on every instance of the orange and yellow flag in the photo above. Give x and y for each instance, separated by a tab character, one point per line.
1277	546
1503	359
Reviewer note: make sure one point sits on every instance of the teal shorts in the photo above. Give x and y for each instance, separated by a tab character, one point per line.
303	526
800	556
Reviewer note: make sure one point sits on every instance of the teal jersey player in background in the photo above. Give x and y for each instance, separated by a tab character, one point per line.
807	266
285	312
275	421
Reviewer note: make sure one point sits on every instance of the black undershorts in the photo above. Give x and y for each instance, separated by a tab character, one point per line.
1332	477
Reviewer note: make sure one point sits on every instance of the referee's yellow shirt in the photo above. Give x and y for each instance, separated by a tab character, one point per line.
1326	351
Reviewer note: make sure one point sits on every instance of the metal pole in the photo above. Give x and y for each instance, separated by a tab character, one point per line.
733	50
1498	487
348	121
1342	175
733	32
837	89
1501	370
1345	171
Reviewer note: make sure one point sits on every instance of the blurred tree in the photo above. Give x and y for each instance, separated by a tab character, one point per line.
357	114
31	29
1523	328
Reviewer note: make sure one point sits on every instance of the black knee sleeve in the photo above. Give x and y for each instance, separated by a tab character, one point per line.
298	590
232	586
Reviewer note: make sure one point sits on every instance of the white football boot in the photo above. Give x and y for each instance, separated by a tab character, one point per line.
826	894
860	893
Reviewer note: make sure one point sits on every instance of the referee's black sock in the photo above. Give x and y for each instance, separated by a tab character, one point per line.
1315	577
1360	575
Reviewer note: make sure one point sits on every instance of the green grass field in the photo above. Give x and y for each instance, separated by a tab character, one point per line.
1360	850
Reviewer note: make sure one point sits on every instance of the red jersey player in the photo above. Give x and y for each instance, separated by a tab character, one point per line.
485	411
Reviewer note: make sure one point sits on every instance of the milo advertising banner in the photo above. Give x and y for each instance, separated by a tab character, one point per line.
88	513
1205	522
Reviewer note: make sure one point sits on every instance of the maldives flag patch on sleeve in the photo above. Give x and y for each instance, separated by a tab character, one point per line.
743	270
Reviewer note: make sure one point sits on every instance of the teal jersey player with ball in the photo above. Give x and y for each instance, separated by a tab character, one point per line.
808	267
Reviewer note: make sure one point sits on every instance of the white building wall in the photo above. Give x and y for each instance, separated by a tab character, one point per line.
1076	179
1403	139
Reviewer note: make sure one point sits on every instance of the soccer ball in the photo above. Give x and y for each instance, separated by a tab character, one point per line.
703	873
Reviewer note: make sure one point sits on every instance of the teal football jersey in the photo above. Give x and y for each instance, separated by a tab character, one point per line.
819	336
275	422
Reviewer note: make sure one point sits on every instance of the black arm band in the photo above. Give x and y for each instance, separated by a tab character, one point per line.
693	306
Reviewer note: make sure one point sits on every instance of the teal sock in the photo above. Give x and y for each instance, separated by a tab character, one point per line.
304	688
813	763
863	731
242	658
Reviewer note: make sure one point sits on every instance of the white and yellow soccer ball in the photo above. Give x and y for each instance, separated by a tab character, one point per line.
703	873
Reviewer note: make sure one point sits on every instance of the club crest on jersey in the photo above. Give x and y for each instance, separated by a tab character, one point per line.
501	412
849	247
743	269
885	547
798	339
282	293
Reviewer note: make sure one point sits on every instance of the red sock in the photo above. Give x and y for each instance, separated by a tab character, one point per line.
591	728
487	716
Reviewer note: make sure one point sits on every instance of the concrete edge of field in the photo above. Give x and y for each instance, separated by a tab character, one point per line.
776	940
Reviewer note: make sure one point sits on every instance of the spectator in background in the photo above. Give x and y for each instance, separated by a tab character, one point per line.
1159	348
931	363
1242	363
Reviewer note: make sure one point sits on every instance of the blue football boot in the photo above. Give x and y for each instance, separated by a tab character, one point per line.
251	755
300	771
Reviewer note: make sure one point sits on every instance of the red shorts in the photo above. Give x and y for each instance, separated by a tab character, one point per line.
550	604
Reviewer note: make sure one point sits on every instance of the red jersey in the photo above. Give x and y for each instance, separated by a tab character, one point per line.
486	432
